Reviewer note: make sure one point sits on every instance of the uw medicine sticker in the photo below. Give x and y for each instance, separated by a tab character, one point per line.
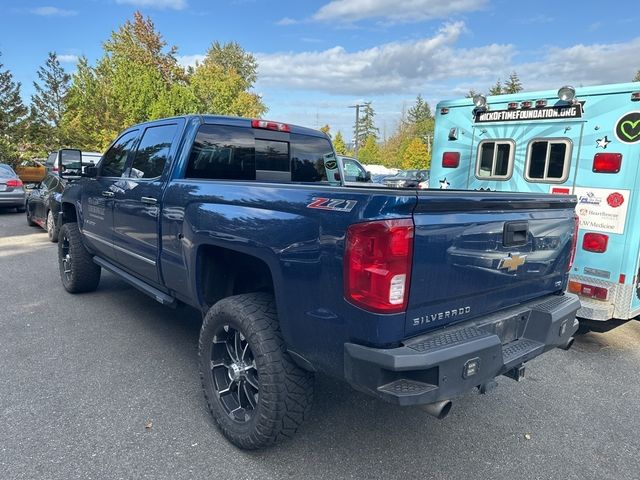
602	209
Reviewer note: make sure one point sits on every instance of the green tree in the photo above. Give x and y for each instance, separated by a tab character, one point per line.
369	153
416	155
471	93
222	89
637	77
419	112
496	89
513	85
48	105
12	118
366	125
339	145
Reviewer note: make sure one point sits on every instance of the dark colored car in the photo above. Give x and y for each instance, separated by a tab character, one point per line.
12	193
43	204
407	179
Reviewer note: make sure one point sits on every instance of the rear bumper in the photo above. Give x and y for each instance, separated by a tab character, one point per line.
439	365
12	199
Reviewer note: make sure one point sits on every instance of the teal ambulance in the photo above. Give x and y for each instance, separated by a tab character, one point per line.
580	141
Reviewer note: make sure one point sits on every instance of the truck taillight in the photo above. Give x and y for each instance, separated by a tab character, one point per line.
595	242
451	159
574	242
377	265
269	125
607	162
14	183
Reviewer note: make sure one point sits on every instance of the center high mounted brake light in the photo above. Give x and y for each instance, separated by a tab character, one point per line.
269	125
377	267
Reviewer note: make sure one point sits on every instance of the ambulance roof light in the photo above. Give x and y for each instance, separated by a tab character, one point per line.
479	100
567	93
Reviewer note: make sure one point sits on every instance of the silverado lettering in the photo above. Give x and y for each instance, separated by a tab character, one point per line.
432	317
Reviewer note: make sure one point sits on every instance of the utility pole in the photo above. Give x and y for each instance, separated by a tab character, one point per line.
357	107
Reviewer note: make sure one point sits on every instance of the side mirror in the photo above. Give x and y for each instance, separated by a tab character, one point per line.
367	176
90	172
70	162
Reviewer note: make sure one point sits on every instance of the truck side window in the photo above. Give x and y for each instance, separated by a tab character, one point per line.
307	158
115	160
548	160
221	152
153	151
495	159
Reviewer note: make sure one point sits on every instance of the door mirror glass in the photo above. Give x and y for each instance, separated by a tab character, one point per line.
70	162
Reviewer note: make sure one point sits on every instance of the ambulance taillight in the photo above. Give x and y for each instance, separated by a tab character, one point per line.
450	159
595	242
607	162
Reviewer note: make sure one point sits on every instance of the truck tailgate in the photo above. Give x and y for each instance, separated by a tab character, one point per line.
478	252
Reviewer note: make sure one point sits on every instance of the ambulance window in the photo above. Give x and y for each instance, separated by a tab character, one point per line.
495	159
548	160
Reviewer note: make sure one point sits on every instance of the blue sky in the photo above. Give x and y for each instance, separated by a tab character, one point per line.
318	57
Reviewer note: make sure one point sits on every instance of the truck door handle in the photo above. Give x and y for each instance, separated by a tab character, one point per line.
515	234
148	200
108	194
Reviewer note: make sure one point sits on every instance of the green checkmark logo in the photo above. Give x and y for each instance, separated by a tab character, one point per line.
630	129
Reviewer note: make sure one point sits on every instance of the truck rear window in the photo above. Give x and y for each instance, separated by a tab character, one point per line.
233	153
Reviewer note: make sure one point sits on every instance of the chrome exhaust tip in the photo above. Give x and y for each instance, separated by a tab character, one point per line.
438	409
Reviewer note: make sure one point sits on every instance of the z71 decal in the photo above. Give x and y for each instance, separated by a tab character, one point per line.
334	204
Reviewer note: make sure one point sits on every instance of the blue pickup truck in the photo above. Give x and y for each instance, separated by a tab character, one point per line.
412	296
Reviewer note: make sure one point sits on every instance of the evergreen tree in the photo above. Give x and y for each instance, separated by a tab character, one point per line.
369	153
416	155
366	127
12	116
419	112
471	93
338	144
513	85
637	77
48	103
496	89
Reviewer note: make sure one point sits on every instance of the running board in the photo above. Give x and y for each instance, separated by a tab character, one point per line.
153	292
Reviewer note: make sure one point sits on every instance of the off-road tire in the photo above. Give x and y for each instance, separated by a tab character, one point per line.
52	229
83	275
285	390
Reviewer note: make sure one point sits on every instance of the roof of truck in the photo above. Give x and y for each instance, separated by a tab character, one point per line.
237	121
546	94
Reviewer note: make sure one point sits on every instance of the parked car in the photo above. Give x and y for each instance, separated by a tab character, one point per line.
413	297
43	204
407	179
31	171
353	170
12	193
69	157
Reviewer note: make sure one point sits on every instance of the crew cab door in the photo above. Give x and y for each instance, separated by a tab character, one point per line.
136	209
98	195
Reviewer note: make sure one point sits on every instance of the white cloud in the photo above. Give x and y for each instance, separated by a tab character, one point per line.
161	4
52	12
68	58
287	21
403	11
389	68
581	65
190	60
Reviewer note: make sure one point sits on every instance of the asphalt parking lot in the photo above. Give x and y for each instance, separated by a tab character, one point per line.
83	376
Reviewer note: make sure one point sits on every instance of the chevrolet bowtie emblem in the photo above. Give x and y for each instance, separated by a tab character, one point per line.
512	262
